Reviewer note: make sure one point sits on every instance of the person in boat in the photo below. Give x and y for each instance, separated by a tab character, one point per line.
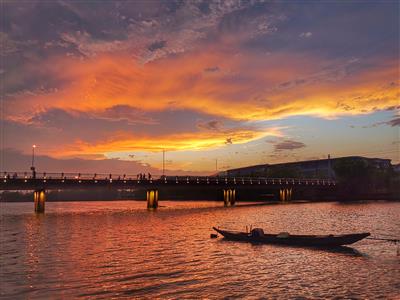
257	232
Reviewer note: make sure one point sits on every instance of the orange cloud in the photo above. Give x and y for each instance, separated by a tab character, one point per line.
202	140
243	88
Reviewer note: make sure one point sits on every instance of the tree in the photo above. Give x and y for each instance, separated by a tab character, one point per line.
357	176
348	168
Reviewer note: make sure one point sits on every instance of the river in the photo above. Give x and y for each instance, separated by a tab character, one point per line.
119	249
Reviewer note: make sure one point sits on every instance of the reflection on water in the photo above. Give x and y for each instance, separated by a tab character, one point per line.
111	249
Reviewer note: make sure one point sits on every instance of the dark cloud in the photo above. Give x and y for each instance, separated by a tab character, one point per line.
52	118
286	145
394	122
92	28
329	25
390	108
329	73
126	113
122	117
210	125
251	21
32	78
285	84
157	45
228	141
300	81
211	69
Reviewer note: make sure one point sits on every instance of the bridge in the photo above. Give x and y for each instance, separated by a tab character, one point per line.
39	183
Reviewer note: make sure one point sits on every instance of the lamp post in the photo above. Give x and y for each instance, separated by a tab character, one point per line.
163	162
33	162
33	155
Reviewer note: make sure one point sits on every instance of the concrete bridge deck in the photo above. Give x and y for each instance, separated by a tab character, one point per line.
283	188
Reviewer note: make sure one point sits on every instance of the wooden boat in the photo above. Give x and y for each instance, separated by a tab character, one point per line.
324	241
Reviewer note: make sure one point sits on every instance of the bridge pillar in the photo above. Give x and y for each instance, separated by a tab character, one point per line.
39	198
152	199
285	194
229	197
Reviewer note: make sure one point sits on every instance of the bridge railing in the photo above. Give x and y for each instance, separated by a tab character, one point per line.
150	178
67	175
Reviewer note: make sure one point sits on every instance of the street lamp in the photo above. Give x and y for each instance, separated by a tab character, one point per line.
33	155
33	162
163	162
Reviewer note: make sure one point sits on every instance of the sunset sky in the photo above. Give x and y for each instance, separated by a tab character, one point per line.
105	86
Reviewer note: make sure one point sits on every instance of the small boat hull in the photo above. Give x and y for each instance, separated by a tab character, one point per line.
323	241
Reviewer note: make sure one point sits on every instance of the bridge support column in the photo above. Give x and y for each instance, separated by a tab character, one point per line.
285	194
229	197
39	197
152	199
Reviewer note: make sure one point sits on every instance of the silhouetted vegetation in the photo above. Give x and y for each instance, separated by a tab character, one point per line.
348	169
358	177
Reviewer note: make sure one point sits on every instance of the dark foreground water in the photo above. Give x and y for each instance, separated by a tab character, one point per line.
119	249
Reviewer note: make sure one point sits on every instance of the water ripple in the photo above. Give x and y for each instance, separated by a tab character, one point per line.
90	250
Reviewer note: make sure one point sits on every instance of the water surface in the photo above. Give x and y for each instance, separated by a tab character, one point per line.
119	249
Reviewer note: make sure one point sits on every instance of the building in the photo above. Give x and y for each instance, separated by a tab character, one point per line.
321	168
